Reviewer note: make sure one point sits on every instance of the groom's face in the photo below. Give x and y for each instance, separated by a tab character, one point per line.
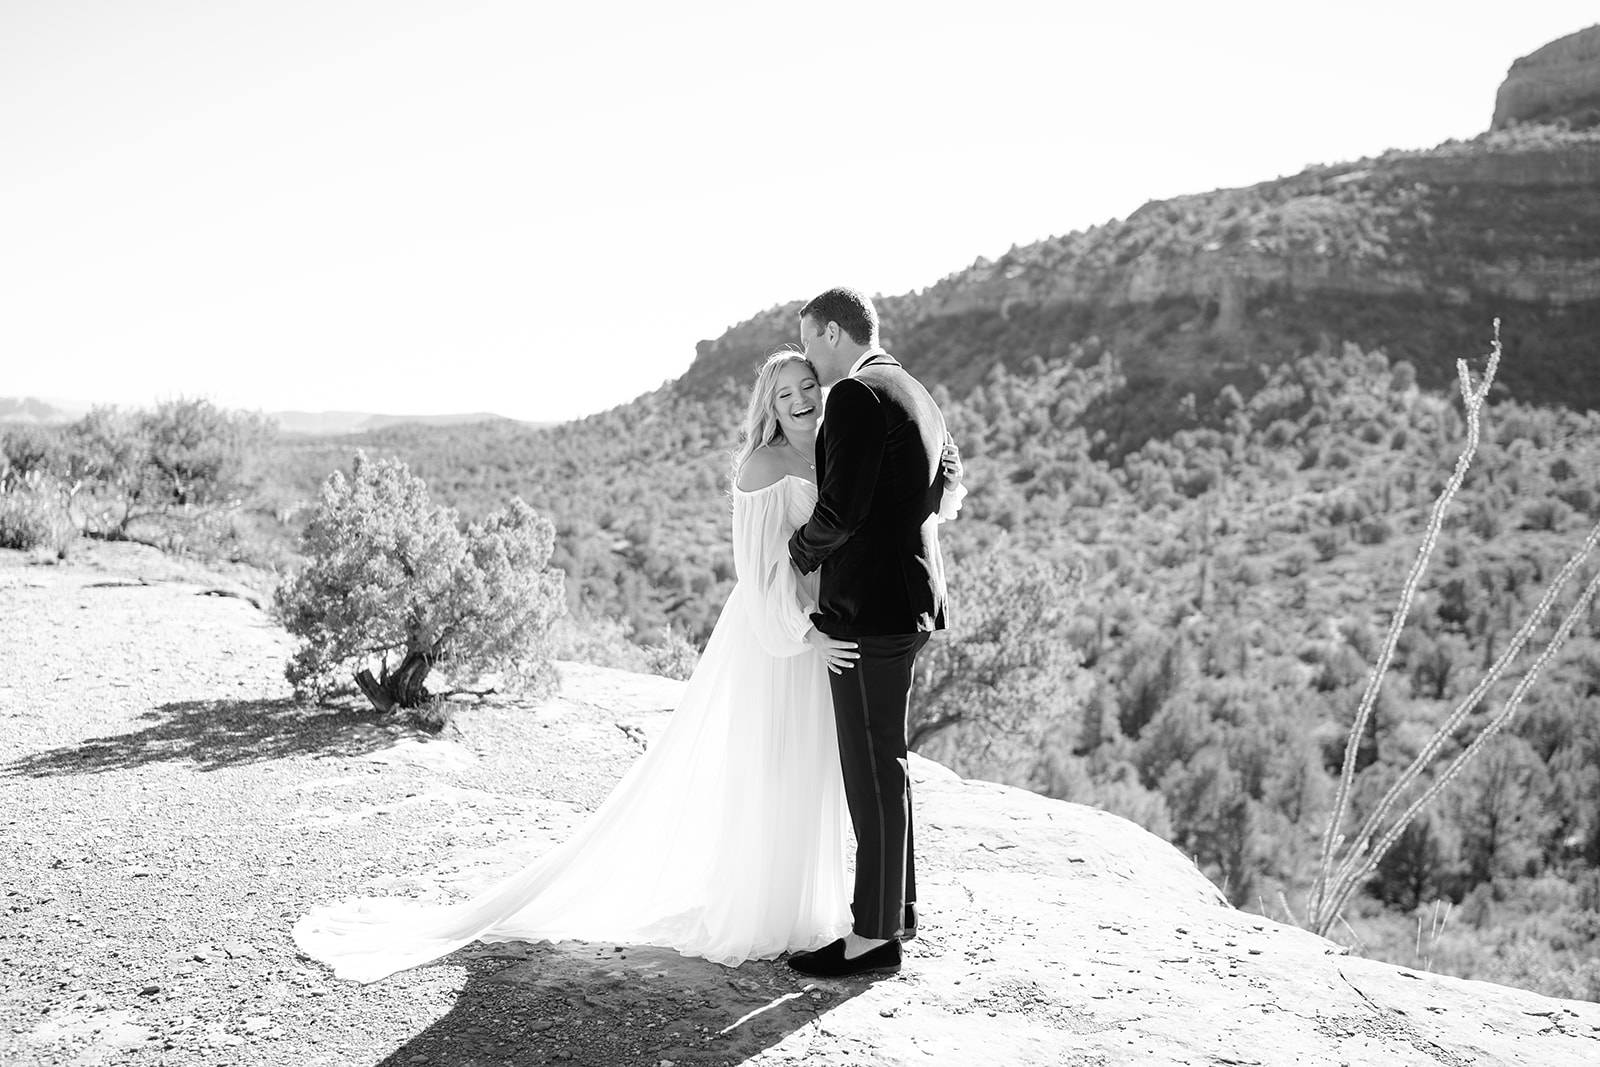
818	349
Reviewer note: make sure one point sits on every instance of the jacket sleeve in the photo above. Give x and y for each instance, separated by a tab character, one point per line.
777	614
853	443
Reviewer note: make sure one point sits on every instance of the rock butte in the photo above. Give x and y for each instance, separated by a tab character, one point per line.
1562	79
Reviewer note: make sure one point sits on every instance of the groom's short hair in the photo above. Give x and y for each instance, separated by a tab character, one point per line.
850	309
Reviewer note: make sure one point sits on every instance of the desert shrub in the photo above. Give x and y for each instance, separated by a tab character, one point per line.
1280	433
1435	663
1551	515
1294	562
1402	376
1151	669
30	520
1339	666
1501	811
1172	554
1529	964
1414	870
1339	458
1327	543
1250	571
391	574
1212	819
1198	481
177	466
105	452
985	695
1114	788
599	640
676	656
606	642
1374	532
197	452
1486	521
1578	497
28	454
1178	730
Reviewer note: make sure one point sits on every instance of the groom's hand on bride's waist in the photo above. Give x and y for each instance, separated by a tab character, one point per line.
839	655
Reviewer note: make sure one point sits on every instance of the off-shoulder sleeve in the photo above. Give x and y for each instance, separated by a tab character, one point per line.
761	559
950	503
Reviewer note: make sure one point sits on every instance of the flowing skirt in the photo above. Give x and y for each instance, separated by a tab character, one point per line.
725	840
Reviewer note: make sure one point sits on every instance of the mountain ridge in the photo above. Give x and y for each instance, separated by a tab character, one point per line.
337	423
1414	252
36	411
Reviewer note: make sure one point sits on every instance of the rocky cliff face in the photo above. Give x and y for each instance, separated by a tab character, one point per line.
1412	251
1494	218
1560	80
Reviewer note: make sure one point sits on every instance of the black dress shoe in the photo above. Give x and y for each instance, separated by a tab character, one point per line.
829	962
908	929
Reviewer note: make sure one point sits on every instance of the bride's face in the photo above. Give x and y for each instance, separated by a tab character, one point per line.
798	402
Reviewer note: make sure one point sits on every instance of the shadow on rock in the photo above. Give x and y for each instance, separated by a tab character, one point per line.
213	734
581	1003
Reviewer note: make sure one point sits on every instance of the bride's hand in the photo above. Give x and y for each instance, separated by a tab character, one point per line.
950	461
838	655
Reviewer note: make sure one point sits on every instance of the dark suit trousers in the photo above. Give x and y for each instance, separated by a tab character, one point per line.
870	704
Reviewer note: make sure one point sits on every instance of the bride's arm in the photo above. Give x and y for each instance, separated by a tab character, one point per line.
777	615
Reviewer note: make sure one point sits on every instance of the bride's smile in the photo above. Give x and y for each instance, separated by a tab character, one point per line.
798	402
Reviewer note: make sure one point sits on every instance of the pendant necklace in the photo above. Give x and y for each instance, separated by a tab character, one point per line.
810	463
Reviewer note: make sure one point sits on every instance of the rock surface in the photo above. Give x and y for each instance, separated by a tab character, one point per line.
1560	80
169	812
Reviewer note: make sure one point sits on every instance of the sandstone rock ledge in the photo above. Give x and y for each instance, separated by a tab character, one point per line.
170	811
1058	934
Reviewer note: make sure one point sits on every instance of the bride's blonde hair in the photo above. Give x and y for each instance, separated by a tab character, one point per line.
760	419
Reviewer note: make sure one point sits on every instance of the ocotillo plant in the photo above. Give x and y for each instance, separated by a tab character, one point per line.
1347	861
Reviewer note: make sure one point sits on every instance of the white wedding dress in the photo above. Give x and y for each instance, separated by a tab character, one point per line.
725	840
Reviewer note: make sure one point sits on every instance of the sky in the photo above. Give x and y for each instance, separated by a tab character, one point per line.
537	209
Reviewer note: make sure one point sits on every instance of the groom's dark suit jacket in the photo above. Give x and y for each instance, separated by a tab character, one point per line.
874	530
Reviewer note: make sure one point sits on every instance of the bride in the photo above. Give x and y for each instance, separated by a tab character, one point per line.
725	840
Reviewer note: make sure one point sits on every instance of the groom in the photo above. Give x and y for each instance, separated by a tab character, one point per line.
873	533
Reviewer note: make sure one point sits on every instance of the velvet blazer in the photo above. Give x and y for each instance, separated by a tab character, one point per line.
874	532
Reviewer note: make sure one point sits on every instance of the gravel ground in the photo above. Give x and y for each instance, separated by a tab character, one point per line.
169	811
